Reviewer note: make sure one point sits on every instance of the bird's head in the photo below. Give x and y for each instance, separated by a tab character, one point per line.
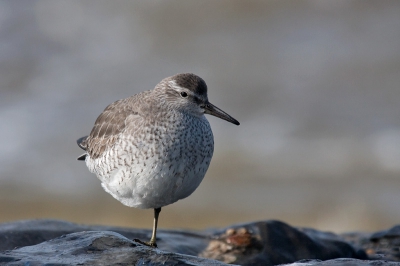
188	93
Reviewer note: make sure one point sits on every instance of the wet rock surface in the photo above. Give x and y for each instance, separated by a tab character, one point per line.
96	248
52	242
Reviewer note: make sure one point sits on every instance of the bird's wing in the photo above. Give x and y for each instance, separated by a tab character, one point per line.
81	142
108	127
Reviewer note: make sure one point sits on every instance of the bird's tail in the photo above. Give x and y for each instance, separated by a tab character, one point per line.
82	144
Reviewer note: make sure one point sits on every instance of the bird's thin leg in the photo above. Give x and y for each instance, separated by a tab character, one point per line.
152	242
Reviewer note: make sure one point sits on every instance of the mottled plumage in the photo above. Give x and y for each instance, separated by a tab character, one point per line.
154	148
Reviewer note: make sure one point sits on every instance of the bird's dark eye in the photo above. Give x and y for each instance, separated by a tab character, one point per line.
184	94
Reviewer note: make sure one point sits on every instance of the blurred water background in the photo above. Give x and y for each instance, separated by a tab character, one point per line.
314	83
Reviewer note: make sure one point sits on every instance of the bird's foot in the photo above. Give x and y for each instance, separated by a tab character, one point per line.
149	244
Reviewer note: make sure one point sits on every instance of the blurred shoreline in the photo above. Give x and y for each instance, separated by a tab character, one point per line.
315	85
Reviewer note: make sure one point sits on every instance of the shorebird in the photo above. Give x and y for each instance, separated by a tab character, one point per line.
154	148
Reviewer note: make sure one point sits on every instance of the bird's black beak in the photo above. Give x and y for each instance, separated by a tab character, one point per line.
215	111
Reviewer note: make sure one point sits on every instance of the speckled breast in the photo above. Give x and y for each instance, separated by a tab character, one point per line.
156	163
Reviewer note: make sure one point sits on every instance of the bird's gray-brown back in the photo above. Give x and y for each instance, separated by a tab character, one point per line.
112	122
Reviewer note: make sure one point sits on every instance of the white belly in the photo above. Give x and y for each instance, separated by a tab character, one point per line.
147	170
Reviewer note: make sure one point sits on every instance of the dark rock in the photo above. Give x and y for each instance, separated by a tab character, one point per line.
274	242
382	245
343	262
259	243
96	248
